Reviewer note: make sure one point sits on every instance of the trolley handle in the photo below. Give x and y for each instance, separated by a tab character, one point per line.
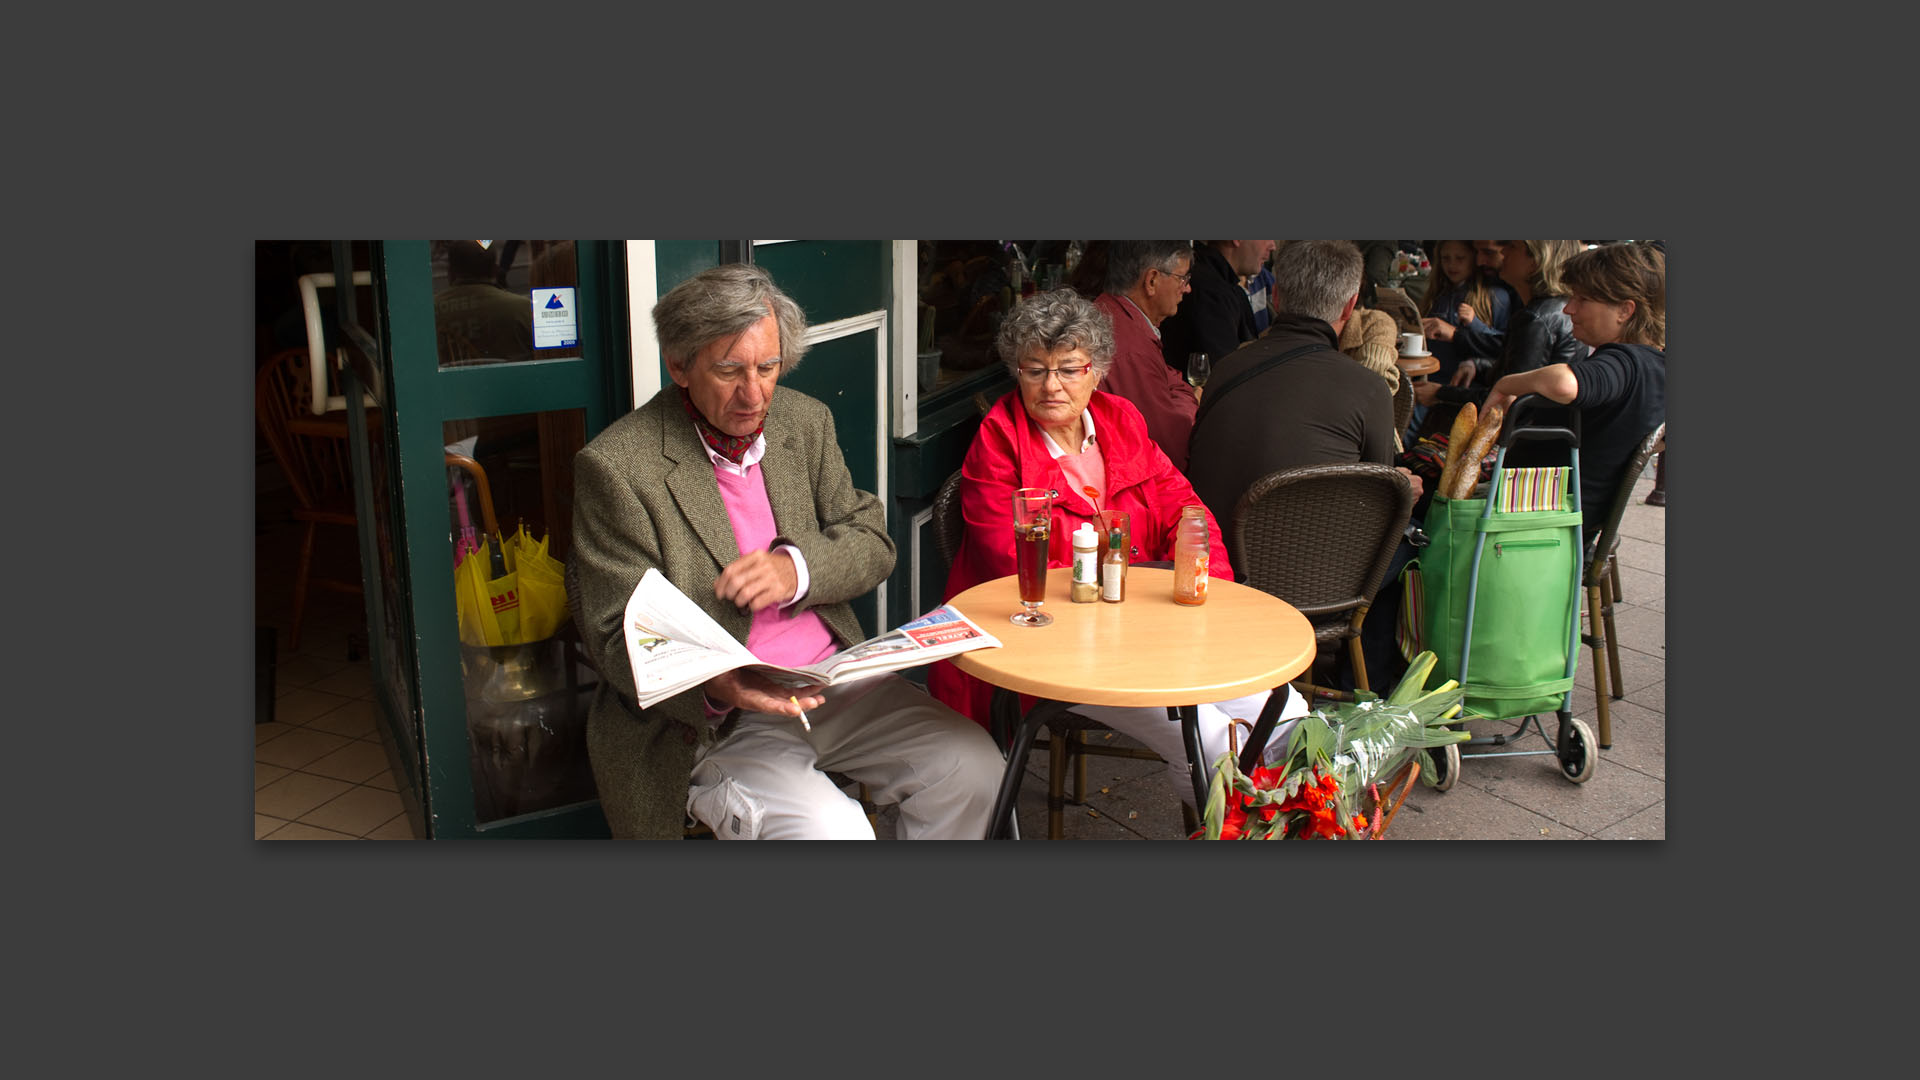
1511	430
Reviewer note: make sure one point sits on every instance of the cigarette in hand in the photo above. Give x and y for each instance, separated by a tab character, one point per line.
803	713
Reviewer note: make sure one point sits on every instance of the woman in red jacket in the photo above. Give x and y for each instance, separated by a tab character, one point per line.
1057	431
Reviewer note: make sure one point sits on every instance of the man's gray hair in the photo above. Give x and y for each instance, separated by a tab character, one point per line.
1128	259
1060	319
721	302
1316	277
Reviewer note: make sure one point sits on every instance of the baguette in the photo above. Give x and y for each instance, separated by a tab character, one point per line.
1462	431
1484	435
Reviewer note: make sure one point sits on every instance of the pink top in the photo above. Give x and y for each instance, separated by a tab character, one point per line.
778	635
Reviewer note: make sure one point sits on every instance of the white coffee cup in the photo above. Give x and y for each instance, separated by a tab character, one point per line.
1413	345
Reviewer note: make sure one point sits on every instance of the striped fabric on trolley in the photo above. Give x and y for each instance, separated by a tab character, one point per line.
1533	489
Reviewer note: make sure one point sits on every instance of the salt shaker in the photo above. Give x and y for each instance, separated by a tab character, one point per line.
1086	565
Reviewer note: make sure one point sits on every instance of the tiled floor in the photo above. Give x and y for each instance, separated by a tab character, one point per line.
319	770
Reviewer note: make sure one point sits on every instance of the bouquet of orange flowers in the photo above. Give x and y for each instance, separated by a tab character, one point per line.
1336	758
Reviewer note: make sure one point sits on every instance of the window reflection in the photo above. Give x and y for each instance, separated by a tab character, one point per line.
490	297
966	289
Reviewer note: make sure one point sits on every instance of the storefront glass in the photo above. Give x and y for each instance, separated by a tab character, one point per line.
527	684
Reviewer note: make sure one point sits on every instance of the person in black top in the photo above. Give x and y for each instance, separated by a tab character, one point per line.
1215	317
1617	303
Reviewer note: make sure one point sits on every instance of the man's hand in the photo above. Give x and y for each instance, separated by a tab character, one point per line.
1463	374
1465	312
1425	392
753	692
1413	478
758	580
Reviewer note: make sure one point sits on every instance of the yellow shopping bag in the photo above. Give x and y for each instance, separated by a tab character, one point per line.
527	603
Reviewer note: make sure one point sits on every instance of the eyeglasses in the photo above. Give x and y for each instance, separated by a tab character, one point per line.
1068	375
1185	278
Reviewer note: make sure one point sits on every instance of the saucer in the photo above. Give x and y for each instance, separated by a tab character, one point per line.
1414	355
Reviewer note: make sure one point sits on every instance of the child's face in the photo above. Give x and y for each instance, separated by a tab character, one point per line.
1456	261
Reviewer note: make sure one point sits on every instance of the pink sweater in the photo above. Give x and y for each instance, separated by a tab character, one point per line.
778	635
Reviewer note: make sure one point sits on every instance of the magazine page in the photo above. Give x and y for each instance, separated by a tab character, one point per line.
672	645
937	634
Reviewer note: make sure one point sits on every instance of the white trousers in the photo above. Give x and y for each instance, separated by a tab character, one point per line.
765	780
1154	730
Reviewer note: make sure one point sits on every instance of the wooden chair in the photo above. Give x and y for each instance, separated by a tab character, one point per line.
1321	537
1069	735
316	467
1601	578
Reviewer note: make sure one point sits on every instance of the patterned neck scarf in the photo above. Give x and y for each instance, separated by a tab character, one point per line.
731	447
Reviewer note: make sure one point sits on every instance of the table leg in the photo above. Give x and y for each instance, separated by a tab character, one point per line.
1188	717
1005	701
1262	729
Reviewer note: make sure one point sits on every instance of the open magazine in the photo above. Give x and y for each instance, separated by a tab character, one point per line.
674	646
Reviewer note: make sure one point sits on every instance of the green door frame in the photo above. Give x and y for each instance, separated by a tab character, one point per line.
425	397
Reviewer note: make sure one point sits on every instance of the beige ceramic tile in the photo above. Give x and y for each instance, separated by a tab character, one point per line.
354	762
351	682
383	779
264	774
358	811
306	705
355	720
273	730
397	829
302	669
295	794
298	748
297	831
262	825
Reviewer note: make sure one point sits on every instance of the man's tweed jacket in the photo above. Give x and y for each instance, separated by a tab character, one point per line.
645	496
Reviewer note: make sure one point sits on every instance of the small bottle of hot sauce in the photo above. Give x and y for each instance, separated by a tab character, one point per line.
1113	570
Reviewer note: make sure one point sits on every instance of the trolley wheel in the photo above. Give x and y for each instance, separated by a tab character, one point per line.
1583	753
1446	766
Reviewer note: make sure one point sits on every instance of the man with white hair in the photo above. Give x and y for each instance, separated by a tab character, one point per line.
1146	280
735	489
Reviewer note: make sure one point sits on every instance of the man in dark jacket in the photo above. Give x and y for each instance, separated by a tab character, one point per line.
1215	317
1316	406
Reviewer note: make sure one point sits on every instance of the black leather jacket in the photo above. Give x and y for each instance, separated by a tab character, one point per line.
1537	335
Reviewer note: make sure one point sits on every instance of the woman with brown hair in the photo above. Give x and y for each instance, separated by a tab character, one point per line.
1617	303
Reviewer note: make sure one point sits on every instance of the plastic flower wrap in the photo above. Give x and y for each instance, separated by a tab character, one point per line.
1327	784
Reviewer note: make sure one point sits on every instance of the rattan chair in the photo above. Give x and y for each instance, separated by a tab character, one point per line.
1402	404
1070	736
1320	537
1602	580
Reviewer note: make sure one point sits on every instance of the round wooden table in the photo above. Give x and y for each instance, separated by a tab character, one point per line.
1146	650
1415	366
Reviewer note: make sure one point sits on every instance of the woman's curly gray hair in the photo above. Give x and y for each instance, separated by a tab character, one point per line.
1060	319
723	301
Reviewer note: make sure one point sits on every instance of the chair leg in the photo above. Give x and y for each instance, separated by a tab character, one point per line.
1056	784
1359	663
1613	658
1189	818
1613	578
1599	639
1079	768
300	586
866	804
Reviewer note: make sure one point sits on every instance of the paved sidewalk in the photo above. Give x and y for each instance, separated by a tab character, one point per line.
1503	798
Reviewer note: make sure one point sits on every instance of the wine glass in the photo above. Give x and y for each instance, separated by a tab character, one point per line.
1032	521
1199	366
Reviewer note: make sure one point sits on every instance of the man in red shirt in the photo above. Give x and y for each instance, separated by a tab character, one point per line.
1146	280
